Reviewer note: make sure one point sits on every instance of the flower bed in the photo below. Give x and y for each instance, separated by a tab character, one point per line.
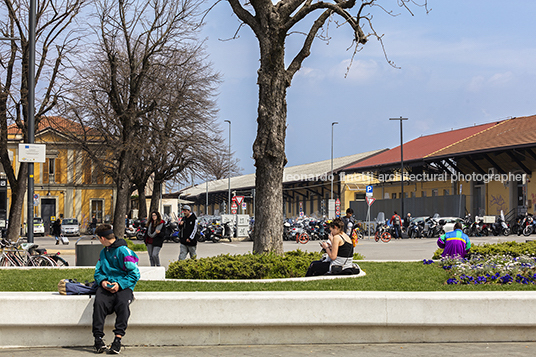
496	269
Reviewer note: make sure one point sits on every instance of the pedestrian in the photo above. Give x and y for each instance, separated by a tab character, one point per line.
93	226
56	230
188	231
455	244
154	238
116	275
407	220
395	221
349	222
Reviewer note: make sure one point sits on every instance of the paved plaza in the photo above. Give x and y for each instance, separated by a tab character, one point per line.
504	349
401	249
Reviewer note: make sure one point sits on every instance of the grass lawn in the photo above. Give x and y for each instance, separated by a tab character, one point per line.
391	276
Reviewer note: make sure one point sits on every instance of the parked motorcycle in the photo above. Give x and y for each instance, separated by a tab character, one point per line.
223	231
500	227
434	226
416	229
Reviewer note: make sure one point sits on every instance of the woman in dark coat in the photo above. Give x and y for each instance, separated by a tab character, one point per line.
56	230
154	238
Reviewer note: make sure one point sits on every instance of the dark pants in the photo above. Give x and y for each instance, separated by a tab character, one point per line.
397	233
318	267
107	303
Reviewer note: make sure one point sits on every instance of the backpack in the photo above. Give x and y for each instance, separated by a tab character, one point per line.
73	287
397	220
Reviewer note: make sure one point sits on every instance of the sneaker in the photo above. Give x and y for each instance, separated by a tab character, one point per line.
115	347
99	345
57	242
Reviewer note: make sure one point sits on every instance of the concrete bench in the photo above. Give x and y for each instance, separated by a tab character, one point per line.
295	317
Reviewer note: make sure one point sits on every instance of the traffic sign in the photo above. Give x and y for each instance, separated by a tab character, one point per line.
238	199
370	200
244	205
369	191
337	202
234	205
233	211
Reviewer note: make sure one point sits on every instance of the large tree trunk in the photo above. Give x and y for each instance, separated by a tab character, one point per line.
155	198
142	201
18	189
120	211
269	146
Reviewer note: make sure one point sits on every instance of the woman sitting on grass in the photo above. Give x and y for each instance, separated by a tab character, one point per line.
340	253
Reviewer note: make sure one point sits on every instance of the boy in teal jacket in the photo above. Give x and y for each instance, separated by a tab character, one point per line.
116	274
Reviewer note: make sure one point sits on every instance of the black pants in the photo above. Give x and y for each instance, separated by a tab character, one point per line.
107	303
318	267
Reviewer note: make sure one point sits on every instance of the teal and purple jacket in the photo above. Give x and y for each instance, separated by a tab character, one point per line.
455	243
118	264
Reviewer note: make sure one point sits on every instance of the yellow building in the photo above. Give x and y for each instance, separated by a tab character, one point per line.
68	184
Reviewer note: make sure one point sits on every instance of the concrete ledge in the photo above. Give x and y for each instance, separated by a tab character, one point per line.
298	317
146	273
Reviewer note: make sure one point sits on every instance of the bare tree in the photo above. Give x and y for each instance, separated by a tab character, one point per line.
134	39
55	41
272	23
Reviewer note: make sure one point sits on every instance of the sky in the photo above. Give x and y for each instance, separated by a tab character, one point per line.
462	63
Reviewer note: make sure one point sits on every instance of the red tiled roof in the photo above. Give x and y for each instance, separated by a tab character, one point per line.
56	123
512	132
422	147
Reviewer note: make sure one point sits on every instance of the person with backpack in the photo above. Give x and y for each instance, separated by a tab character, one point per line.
395	221
116	275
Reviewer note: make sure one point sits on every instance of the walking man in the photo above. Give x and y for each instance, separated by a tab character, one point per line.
188	231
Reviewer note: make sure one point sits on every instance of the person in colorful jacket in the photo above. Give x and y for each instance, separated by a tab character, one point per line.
455	244
116	275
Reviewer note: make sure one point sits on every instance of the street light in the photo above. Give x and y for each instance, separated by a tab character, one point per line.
401	166
229	178
31	115
332	124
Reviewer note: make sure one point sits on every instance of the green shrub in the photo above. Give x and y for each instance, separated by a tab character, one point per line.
248	266
136	247
513	249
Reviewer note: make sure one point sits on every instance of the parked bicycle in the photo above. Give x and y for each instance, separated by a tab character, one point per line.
19	254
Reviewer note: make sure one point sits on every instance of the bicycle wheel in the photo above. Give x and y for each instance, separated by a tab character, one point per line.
386	237
5	262
303	238
41	261
377	236
59	261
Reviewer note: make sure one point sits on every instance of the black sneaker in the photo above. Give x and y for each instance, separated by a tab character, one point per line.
115	347
99	345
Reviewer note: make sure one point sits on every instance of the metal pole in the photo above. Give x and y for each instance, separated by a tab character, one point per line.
31	115
331	176
401	166
206	201
229	174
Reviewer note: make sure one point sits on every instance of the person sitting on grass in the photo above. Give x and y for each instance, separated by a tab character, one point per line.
116	275
455	244
340	253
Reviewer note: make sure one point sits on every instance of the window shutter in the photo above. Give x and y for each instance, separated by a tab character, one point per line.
45	171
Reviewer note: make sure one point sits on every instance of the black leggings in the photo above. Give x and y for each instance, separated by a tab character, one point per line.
318	267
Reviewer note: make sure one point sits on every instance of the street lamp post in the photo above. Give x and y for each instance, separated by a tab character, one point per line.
401	166
331	176
31	116
229	174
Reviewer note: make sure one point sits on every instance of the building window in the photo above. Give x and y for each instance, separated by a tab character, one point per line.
359	196
423	193
412	194
97	207
445	192
393	195
435	192
167	210
51	170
